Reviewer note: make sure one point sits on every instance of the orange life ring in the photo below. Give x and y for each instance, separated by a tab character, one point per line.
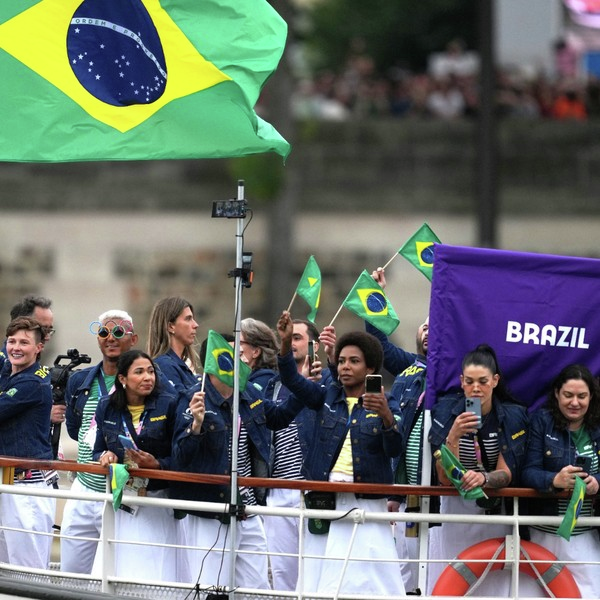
458	577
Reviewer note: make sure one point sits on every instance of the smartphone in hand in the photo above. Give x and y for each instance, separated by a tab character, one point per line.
474	405
373	384
127	443
311	353
585	462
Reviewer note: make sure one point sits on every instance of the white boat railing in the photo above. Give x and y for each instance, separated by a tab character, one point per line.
106	584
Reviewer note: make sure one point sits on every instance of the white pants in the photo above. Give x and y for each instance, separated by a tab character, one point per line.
35	514
81	519
149	524
283	538
210	565
407	548
580	547
377	573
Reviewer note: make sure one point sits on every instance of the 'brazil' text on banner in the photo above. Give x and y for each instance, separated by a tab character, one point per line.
537	311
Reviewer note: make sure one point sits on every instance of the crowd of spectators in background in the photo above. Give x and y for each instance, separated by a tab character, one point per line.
449	89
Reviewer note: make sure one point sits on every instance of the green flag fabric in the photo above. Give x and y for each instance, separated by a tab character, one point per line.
420	248
136	79
367	300
219	361
309	287
572	513
455	471
119	476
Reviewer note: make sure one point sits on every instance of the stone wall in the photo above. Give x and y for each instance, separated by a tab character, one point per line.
393	165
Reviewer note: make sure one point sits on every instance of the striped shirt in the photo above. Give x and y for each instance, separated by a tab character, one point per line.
413	451
287	462
480	452
87	435
244	466
288	454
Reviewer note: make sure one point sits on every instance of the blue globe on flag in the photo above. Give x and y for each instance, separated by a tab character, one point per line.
376	302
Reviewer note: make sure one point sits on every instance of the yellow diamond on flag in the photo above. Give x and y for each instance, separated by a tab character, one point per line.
373	301
37	37
224	360
425	253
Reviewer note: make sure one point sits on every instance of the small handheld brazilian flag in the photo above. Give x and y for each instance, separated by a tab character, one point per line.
420	249
219	361
455	471
367	300
309	287
119	476
570	519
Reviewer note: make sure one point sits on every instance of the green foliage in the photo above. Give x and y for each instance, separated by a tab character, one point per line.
262	173
394	32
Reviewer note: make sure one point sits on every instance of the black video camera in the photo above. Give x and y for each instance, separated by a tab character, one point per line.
59	373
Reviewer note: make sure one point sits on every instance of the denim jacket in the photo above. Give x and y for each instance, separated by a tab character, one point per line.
155	436
406	390
208	452
175	371
549	449
76	395
512	430
373	446
25	405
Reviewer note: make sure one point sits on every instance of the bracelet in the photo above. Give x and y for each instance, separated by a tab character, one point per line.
449	443
486	478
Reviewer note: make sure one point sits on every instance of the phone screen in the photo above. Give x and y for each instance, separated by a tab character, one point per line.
127	443
373	384
585	462
311	352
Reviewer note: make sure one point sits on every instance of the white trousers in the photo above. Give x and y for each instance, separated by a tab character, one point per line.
407	548
283	538
149	524
81	519
376	573
210	565
580	547
34	514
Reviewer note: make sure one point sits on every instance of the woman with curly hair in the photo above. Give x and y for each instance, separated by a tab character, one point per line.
351	438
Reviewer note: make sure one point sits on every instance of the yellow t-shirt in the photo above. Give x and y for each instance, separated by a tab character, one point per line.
136	413
344	461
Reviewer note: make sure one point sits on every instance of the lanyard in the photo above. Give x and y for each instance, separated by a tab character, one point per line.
102	385
478	455
137	429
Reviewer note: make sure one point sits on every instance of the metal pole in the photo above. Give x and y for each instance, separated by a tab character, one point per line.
239	286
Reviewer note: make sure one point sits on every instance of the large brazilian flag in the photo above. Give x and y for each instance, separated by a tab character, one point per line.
136	79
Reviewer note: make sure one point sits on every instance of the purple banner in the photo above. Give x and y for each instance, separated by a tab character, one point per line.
539	312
